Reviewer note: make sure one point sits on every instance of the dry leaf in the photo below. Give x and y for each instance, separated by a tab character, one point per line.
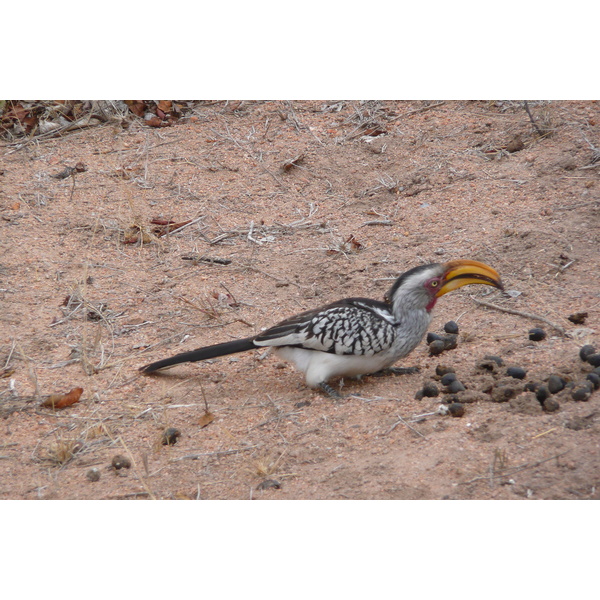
164	105
137	107
155	122
165	226
63	400
293	162
206	418
352	244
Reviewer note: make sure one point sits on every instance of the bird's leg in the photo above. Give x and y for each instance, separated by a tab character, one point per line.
396	371
330	391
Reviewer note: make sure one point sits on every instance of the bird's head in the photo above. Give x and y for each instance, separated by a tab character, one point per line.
423	285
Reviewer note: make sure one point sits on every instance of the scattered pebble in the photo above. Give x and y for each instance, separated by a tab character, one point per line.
542	393
302	404
430	390
537	335
550	405
441	343
431	337
456	409
169	436
93	474
451	327
516	372
442	370
436	347
447	379
581	393
578	318
455	387
120	462
593	359
595	379
269	483
585	351
556	384
451	341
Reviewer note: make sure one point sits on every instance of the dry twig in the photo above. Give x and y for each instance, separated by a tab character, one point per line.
512	311
517	469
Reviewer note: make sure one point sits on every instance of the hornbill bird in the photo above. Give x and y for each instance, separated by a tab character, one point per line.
355	336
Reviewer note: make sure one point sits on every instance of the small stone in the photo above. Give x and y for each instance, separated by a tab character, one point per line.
120	462
581	394
550	405
430	390
451	327
516	372
268	484
455	387
595	379
93	474
505	389
419	394
496	359
456	409
585	351
556	384
169	436
431	337
537	335
302	404
450	341
515	145
593	359
442	370
578	318
436	347
542	393
448	378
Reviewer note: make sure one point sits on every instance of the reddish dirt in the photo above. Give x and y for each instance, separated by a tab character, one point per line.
81	308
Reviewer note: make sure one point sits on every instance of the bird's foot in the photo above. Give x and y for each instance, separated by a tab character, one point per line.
396	371
331	392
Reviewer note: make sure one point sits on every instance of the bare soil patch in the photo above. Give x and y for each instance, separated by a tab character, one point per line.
287	206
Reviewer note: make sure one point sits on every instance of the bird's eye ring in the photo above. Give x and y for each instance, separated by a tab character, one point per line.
434	283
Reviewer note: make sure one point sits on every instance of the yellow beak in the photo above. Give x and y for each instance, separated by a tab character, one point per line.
464	272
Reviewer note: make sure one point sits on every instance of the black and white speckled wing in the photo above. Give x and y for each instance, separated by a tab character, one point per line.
354	326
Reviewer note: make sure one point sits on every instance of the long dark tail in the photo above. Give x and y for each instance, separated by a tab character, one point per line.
201	354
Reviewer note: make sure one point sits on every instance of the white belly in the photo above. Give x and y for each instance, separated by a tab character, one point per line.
319	367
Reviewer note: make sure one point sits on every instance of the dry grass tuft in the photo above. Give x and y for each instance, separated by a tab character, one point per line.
266	464
61	450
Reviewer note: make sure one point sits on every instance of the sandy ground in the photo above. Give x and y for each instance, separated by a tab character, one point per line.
300	204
